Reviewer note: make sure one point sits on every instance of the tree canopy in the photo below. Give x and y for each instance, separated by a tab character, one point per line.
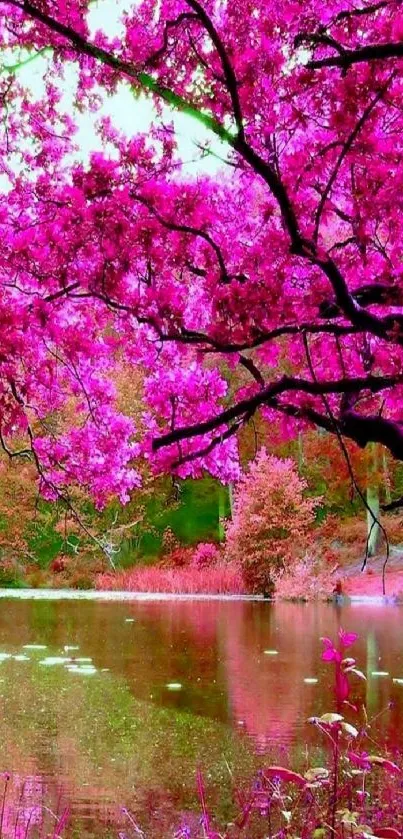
287	261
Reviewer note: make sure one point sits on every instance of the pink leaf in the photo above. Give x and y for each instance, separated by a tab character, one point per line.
285	775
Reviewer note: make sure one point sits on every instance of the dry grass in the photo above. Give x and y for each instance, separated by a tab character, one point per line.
224	578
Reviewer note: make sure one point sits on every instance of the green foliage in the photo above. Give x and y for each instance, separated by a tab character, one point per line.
190	509
10	577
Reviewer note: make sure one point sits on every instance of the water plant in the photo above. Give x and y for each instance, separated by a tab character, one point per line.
357	794
354	792
26	811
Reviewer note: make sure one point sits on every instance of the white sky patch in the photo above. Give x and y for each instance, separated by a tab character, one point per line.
130	114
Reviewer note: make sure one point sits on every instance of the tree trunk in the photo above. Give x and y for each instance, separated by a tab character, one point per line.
386	477
373	529
231	498
373	513
222	492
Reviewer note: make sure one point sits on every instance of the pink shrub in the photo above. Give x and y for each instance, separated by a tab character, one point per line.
306	580
224	578
271	520
205	555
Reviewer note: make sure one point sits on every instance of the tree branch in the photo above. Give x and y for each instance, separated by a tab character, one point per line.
344	152
372	52
229	73
153	59
374	384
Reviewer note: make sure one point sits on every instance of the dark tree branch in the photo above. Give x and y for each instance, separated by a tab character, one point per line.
373	384
372	294
11	454
392	505
318	38
153	59
119	65
186	228
193	338
372	52
250	366
228	70
216	441
360	12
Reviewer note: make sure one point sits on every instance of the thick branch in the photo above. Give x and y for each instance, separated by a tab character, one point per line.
373	384
393	505
360	12
372	52
120	65
372	294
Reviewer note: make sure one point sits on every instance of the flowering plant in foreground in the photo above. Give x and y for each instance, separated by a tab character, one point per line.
358	794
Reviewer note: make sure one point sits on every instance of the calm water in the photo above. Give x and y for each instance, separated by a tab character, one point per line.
165	687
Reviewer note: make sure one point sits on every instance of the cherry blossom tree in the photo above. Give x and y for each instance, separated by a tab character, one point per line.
287	259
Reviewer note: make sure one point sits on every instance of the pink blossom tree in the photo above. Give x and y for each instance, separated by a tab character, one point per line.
271	520
289	260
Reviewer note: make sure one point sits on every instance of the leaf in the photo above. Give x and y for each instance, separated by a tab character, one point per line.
349	729
330	719
347	638
388	833
356	672
285	775
385	764
348	816
317	773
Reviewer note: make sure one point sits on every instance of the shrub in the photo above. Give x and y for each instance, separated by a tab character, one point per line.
169	541
271	520
306	580
11	574
205	555
178	558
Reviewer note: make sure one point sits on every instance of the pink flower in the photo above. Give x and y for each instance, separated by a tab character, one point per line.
359	760
330	653
347	638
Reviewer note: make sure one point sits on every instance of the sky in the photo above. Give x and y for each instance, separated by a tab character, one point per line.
129	114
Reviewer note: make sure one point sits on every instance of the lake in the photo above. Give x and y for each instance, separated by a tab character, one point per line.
106	705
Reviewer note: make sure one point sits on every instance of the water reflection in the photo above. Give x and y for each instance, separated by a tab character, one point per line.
118	703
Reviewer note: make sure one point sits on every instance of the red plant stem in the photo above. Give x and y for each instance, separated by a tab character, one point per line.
27	825
3	806
335	782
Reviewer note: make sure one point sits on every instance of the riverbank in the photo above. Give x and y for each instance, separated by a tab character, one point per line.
149	597
331	565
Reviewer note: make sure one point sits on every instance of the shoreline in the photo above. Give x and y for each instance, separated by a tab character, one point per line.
145	597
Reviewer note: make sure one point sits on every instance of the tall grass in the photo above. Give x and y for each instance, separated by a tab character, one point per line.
224	578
